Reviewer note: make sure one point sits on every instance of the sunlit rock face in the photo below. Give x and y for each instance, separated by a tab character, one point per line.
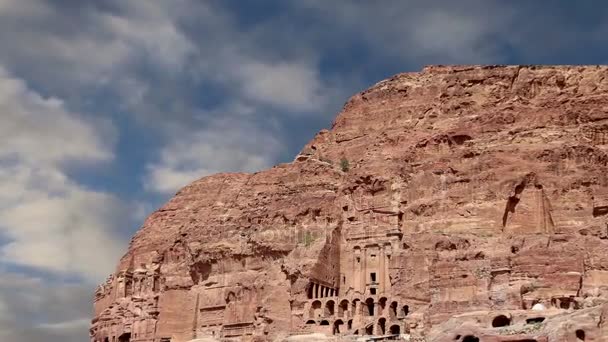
464	203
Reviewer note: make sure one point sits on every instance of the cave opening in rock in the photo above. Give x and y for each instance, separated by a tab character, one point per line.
369	330
535	320
311	322
501	321
395	329
324	322
405	310
470	338
580	335
126	337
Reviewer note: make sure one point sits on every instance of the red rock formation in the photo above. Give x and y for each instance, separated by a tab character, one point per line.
455	204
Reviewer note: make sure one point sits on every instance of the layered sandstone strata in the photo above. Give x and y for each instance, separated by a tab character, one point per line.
454	204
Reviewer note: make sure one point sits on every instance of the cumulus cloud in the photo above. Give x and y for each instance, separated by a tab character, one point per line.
40	130
297	86
224	146
35	309
49	220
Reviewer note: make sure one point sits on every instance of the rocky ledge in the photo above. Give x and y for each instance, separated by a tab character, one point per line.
460	203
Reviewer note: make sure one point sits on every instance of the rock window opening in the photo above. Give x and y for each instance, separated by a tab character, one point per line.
395	330
324	322
382	306
343	279
501	321
126	337
580	335
373	277
393	310
372	291
337	326
369	330
315	309
405	310
370	306
343	308
329	308
310	321
350	324
535	320
355	307
470	338
381	326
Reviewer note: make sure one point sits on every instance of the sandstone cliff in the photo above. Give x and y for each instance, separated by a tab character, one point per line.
454	204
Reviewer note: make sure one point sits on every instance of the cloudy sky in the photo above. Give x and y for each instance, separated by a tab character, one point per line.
107	107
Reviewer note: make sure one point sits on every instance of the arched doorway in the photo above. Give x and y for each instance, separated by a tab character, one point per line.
311	322
329	308
315	309
369	303
580	335
381	326
369	330
350	324
392	312
501	321
126	337
356	302
343	308
405	310
382	306
324	322
338	326
395	329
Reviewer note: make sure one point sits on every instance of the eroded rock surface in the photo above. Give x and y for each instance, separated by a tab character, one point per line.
454	204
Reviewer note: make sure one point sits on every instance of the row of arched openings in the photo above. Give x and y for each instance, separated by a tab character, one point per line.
339	327
367	308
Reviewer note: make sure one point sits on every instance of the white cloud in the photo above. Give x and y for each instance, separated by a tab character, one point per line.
51	222
41	130
32	309
294	85
224	146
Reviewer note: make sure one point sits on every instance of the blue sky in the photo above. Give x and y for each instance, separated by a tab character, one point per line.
107	107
